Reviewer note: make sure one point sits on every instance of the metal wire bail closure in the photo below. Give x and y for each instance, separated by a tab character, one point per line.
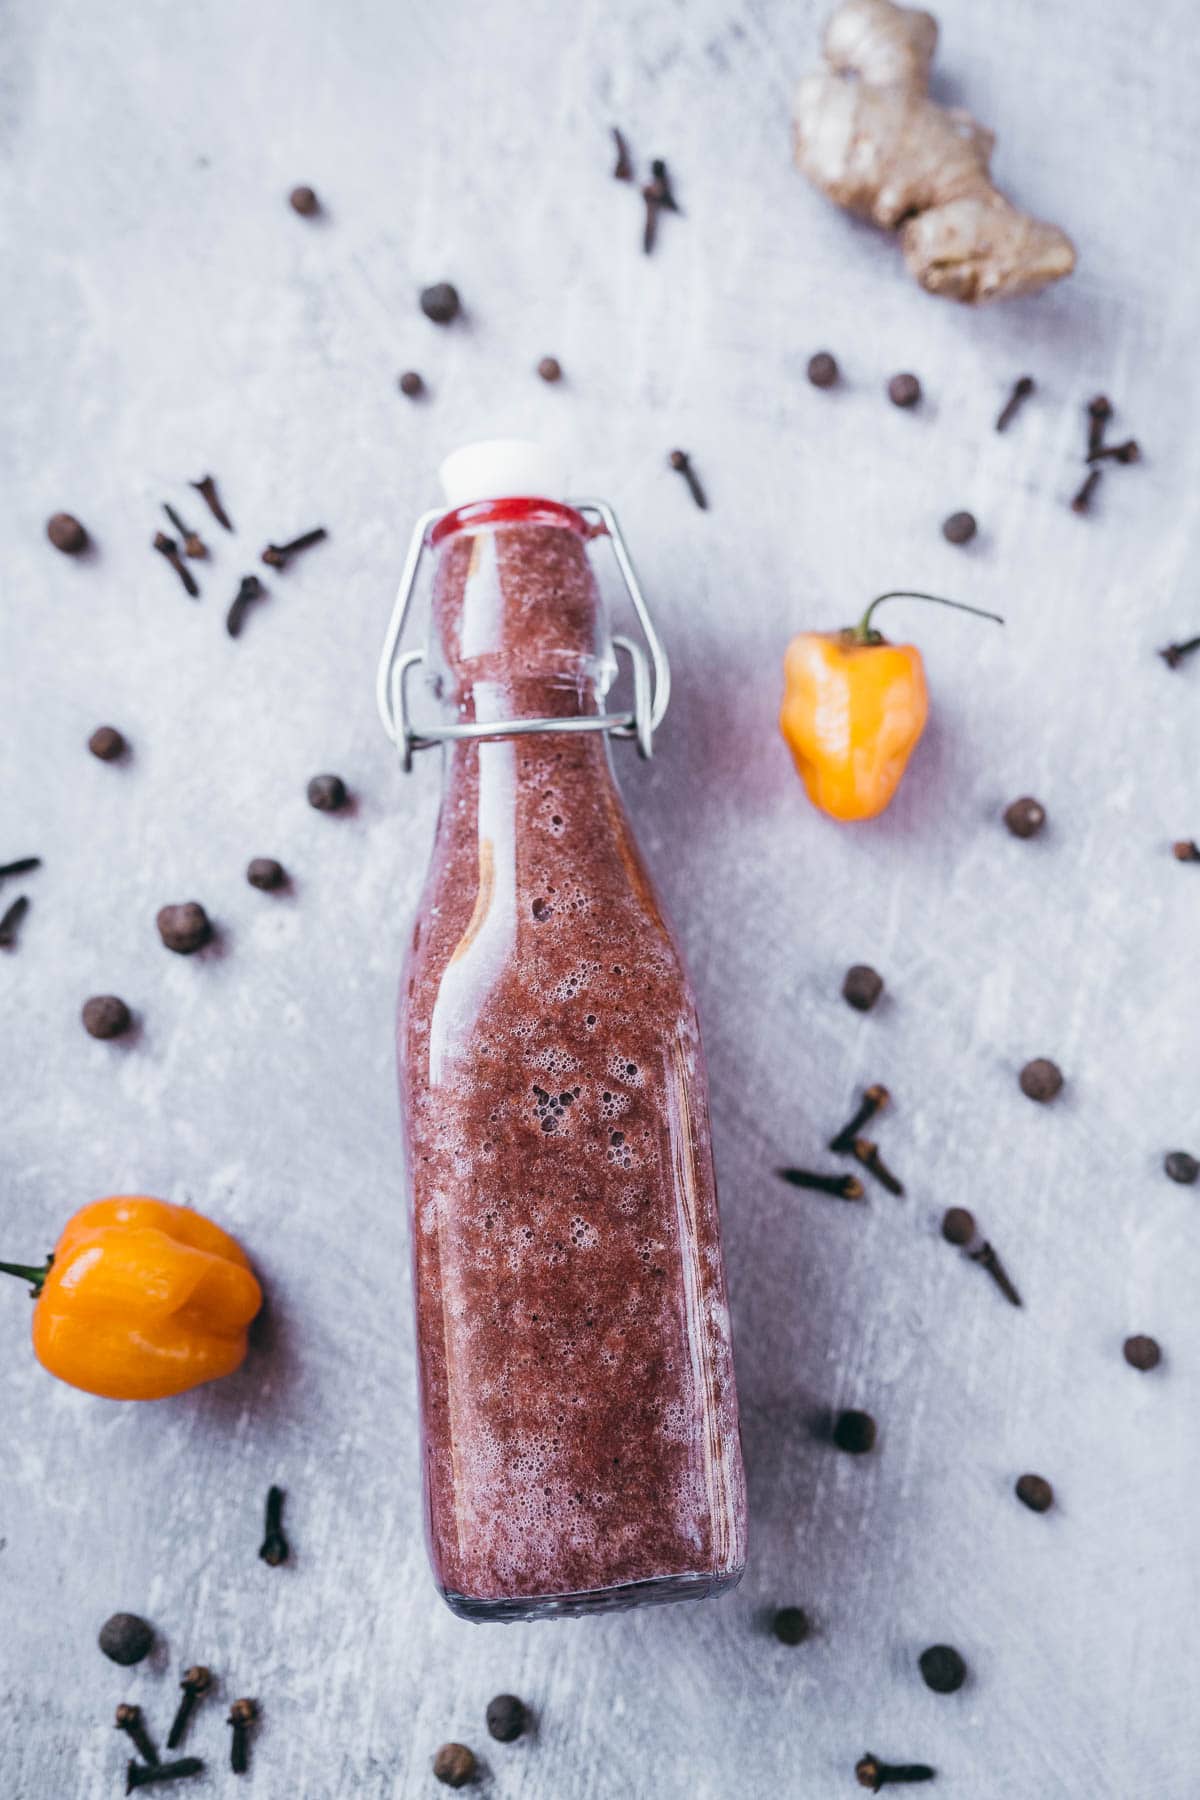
651	680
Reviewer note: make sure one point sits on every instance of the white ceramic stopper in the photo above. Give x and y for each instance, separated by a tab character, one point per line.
499	468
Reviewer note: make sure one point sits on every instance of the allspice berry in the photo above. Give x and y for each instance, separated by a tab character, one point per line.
184	928
904	390
790	1625
1041	1079
507	1718
411	384
265	873
454	1765
1142	1353
66	533
1035	1492
822	370
1025	817
1181	1166
550	369
304	201
959	528
441	303
862	987
854	1432
327	793
942	1668
106	1016
126	1639
107	743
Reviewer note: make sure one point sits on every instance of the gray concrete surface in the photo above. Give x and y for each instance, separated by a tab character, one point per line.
164	313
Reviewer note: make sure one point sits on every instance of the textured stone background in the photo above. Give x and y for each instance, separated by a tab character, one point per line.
165	313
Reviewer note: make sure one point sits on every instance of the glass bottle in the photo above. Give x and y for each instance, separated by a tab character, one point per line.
579	1414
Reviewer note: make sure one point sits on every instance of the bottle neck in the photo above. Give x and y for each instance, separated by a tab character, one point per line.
519	624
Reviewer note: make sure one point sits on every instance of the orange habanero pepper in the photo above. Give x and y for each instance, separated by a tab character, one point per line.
854	707
141	1299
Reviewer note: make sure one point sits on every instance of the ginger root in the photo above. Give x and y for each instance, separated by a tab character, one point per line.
868	135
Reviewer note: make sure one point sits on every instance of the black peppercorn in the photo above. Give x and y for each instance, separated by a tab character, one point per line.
105	1016
304	201
440	303
106	743
1181	1166
126	1639
854	1432
959	528
1035	1492
265	873
823	370
66	533
942	1668
1025	817
790	1625
1142	1353
411	384
958	1226
550	369
454	1765
327	793
507	1718
904	390
1040	1079
862	987
184	928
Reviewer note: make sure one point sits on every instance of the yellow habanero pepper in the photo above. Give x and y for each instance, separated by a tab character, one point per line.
141	1299
854	707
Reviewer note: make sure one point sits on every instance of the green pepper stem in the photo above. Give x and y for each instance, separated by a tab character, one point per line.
865	633
26	1272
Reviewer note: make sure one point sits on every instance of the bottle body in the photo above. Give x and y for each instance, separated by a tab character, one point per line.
579	1414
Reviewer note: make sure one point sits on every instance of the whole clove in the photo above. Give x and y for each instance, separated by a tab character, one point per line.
623	171
681	461
842	1187
1022	388
193	545
274	1548
1099	412
206	487
196	1682
1186	850
867	1153
66	533
1174	654
24	865
874	1099
958	1228
276	555
129	1720
1082	501
242	1715
168	548
10	922
1128	452
874	1774
249	590
139	1775
658	197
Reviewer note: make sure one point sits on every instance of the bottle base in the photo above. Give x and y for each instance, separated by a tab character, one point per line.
660	1590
